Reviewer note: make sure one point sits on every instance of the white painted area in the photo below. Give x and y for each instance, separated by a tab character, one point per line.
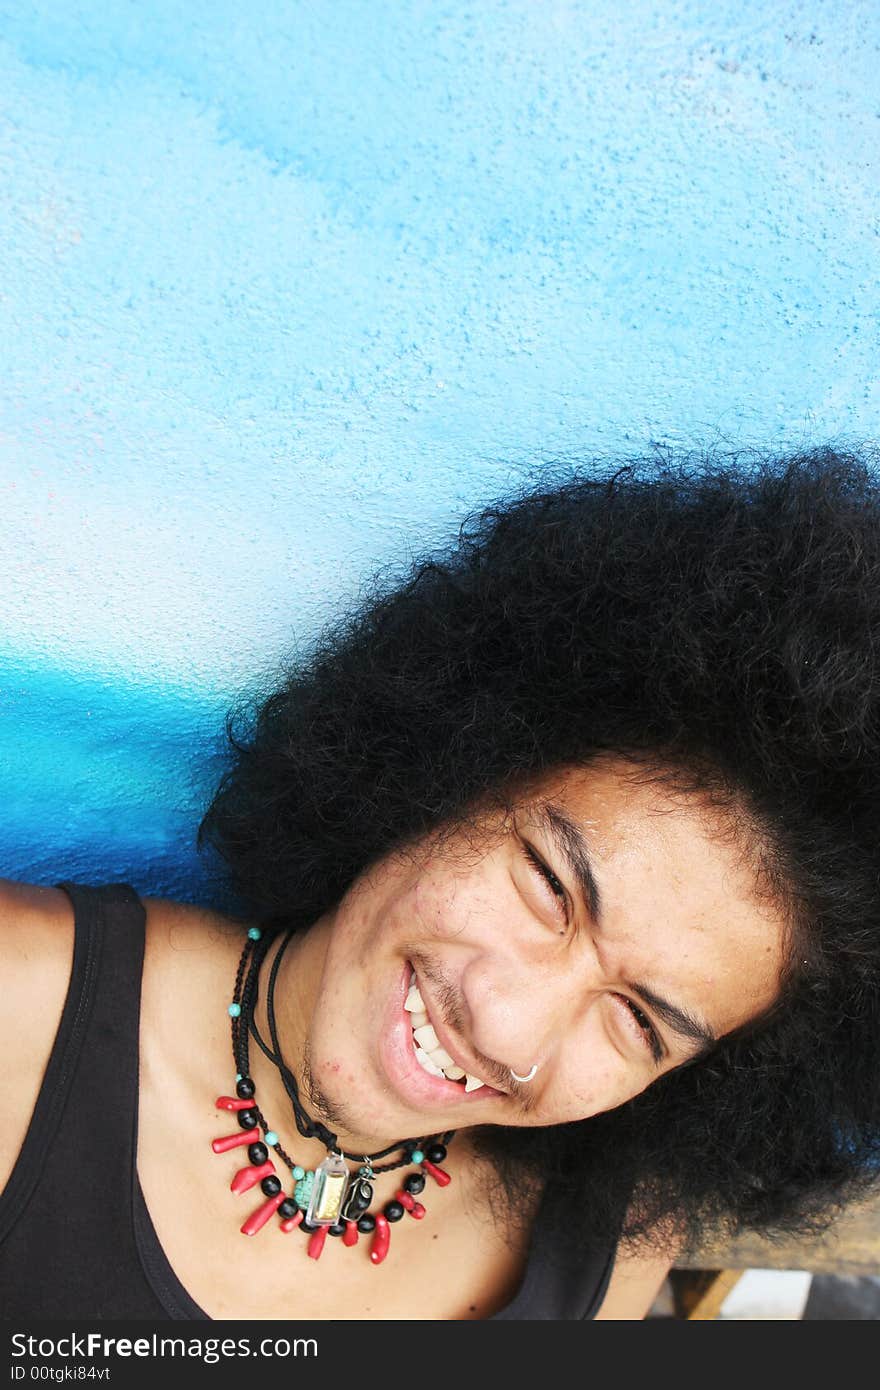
763	1294
283	298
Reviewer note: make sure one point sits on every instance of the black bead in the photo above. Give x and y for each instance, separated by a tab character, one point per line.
309	1227
337	1229
288	1208
245	1088
367	1224
271	1186
414	1183
436	1153
248	1119
393	1210
258	1153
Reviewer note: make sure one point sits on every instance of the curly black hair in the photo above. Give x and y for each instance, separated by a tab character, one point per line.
712	619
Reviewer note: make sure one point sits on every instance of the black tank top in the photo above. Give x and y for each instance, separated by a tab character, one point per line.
76	1239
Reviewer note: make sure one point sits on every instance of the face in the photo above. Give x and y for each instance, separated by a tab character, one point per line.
603	935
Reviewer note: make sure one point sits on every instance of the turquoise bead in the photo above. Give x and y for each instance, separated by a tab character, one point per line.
234	1010
238	1076
271	1137
255	933
303	1190
298	1172
417	1155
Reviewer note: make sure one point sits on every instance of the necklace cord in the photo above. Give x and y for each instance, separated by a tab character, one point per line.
308	1129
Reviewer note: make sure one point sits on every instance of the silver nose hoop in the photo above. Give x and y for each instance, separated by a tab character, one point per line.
528	1077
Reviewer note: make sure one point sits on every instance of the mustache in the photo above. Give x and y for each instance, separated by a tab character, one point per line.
454	1014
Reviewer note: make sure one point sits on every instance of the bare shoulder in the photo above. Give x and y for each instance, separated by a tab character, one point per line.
36	954
31	901
635	1282
36	949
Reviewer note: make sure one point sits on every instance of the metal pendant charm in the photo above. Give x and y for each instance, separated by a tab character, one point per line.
360	1195
328	1192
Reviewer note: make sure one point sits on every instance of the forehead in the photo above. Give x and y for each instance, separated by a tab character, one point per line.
680	900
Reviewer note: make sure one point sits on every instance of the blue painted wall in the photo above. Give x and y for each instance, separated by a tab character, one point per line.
286	288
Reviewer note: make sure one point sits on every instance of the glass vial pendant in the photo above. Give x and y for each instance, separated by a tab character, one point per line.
328	1193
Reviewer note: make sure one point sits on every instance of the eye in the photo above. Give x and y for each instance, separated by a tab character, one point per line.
637	1020
647	1031
548	877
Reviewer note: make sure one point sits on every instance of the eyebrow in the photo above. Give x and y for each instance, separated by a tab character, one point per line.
687	1025
570	841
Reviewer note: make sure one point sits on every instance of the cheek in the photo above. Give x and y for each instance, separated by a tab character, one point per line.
339	1071
426	902
590	1093
593	1076
440	905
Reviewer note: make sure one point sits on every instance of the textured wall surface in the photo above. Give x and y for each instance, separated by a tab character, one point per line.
286	288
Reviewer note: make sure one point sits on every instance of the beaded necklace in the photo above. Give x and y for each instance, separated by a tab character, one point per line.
331	1198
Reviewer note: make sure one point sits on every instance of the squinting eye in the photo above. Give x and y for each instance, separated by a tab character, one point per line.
548	877
646	1027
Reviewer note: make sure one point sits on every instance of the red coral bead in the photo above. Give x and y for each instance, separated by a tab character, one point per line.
436	1173
381	1240
418	1211
290	1223
316	1242
257	1220
351	1233
232	1141
230	1103
246	1178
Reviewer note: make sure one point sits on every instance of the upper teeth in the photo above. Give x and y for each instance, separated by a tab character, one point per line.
429	1053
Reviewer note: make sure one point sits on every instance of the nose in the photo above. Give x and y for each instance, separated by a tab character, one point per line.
522	1009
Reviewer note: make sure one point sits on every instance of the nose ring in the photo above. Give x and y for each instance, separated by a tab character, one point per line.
524	1078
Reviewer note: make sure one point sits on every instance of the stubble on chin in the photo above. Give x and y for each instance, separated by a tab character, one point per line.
334	1114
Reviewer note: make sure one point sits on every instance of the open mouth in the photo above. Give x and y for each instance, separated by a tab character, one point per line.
429	1051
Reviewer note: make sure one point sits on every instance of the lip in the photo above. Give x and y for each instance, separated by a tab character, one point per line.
416	1085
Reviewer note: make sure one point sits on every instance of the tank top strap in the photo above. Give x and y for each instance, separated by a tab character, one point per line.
71	1184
